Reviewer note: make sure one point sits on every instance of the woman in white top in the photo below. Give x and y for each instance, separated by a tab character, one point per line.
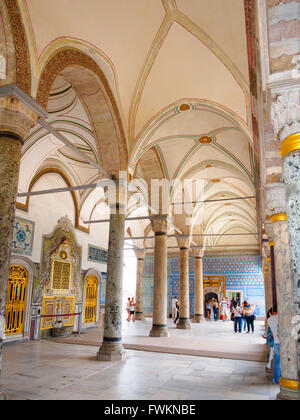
237	313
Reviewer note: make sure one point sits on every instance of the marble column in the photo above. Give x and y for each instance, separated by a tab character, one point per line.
112	347
140	254
16	120
160	290
271	262
184	285
198	276
276	198
285	114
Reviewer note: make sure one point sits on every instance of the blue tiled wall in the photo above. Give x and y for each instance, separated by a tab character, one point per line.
241	273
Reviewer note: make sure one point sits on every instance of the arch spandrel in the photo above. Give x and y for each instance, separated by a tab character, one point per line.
91	86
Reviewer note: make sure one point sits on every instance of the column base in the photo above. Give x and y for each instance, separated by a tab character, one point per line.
184	324
159	331
198	318
111	352
139	316
290	393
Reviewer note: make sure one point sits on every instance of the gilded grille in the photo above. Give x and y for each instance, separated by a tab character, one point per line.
16	300
90	299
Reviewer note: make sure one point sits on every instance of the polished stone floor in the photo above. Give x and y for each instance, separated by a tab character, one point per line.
46	370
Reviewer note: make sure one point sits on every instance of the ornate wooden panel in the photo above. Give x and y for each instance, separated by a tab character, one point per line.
16	300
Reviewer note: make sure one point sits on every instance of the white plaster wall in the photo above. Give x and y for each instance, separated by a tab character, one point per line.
45	210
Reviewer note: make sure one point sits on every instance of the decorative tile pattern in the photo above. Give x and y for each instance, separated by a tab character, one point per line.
241	273
97	254
22	236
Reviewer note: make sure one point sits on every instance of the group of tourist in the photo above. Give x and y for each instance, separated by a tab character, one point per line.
243	316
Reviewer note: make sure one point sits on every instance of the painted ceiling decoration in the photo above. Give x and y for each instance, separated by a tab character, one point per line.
159	88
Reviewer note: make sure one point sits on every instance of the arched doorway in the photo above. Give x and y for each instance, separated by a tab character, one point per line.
16	300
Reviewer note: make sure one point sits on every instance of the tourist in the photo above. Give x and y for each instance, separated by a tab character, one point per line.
216	309
273	324
244	321
270	341
131	309
208	309
224	309
174	310
177	312
237	316
128	309
248	312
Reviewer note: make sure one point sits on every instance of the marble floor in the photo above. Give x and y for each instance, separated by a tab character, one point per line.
52	370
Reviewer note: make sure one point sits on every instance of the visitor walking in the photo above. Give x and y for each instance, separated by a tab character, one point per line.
177	312
237	314
244	321
248	312
216	309
128	309
208	309
224	309
131	310
273	324
270	341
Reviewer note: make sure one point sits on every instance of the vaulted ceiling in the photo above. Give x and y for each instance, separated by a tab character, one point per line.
178	71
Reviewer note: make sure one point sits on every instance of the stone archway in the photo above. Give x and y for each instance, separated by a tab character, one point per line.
94	92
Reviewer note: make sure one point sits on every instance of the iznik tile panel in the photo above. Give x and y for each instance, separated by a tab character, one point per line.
97	254
22	236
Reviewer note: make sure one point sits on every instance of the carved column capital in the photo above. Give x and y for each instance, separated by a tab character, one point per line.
160	223
285	107
198	252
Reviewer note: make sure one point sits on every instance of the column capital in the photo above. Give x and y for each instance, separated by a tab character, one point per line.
285	109
160	223
139	253
276	198
198	252
184	242
18	112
